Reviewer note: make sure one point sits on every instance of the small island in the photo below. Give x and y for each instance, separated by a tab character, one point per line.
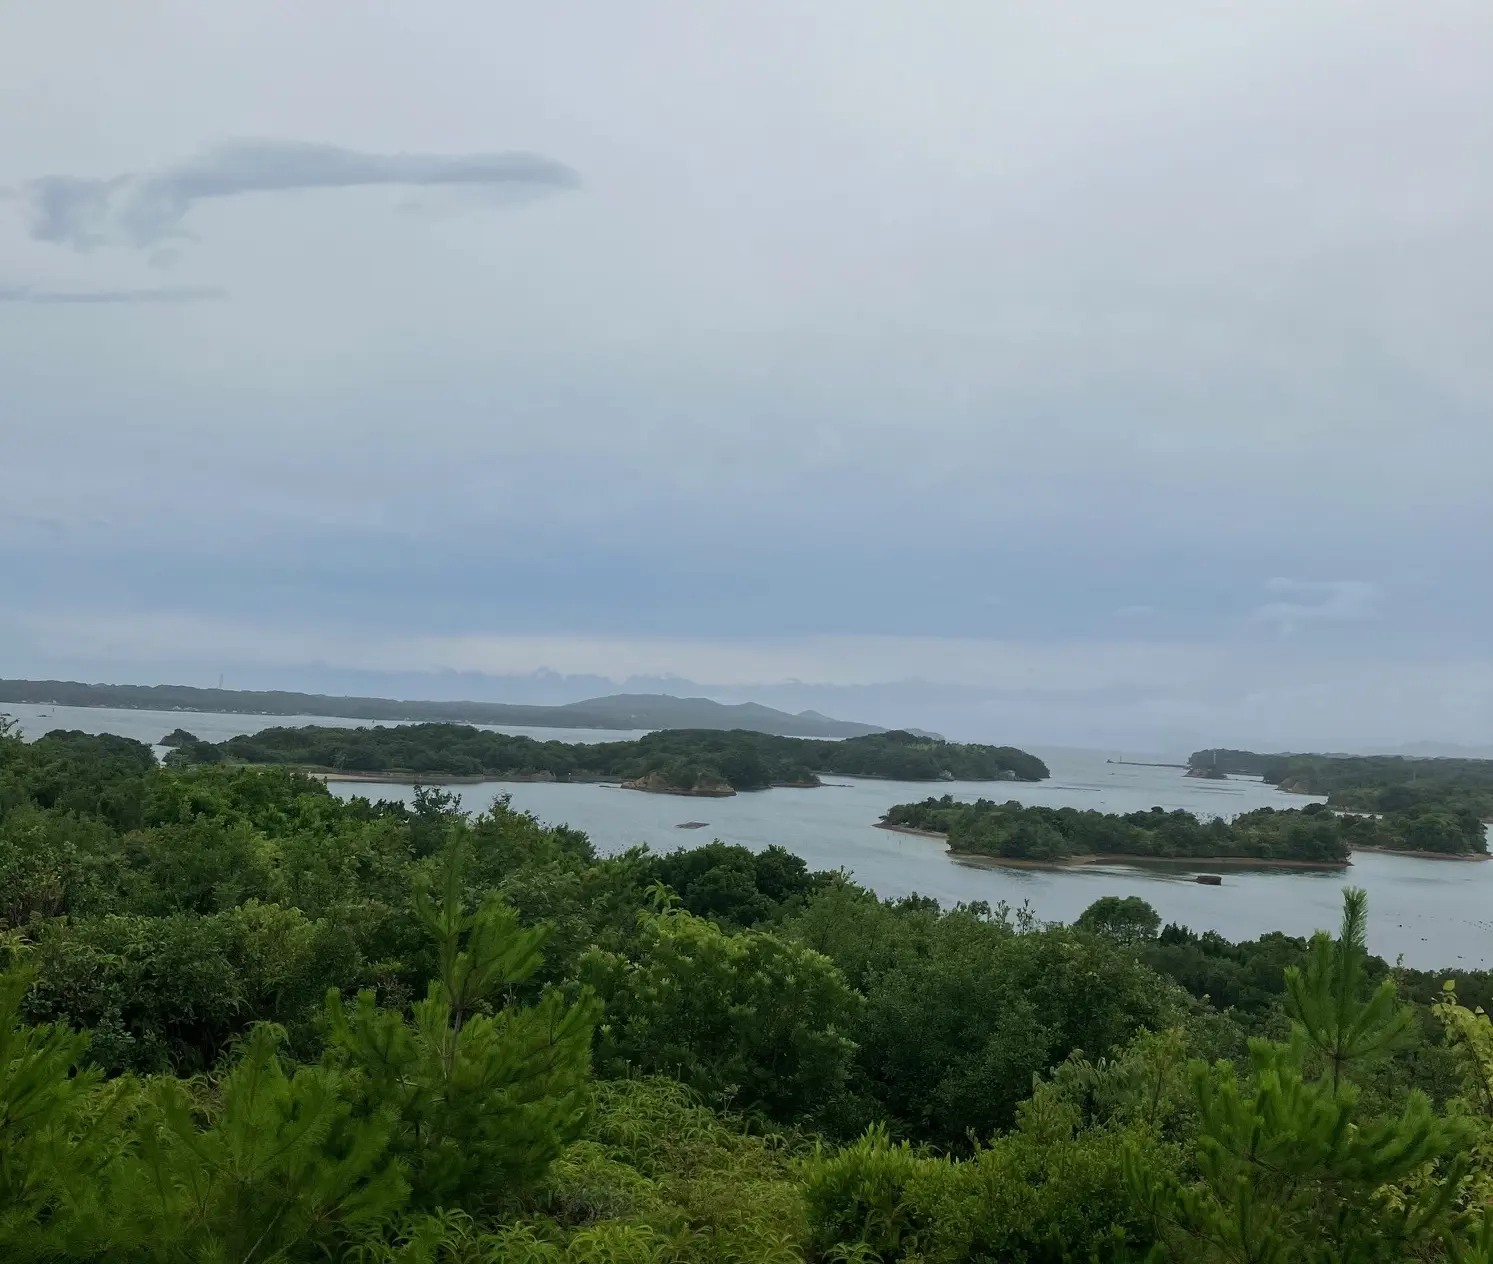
702	762
1013	832
702	784
1313	836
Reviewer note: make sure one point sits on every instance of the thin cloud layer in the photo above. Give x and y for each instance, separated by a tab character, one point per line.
167	294
1310	601
146	210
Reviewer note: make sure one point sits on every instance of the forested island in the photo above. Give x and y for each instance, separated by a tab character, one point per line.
247	1021
617	711
1014	831
675	761
1390	784
1313	834
1218	761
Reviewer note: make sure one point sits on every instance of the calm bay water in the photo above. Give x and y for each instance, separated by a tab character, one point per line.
1435	913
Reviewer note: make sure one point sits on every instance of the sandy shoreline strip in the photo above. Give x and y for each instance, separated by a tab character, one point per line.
386	778
1072	862
908	829
1078	862
396	777
1426	855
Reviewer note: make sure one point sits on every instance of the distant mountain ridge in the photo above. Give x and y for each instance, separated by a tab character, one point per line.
618	711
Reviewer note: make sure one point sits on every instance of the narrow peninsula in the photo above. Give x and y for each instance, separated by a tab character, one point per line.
1433	807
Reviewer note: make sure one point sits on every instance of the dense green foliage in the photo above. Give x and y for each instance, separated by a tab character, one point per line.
752	1019
1429	828
1017	832
1128	919
701	761
733	886
963	1008
1289	1161
1226	762
244	1021
1443	795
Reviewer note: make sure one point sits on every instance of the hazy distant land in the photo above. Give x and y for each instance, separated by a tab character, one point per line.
618	711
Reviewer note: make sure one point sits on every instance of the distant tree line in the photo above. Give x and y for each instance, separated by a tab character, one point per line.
683	760
1368	783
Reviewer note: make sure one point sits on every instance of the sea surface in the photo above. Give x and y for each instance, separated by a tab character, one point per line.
1433	913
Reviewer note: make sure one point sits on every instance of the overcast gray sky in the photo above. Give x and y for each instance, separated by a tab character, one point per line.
1065	372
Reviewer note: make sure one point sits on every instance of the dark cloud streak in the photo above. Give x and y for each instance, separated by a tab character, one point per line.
165	295
70	210
145	210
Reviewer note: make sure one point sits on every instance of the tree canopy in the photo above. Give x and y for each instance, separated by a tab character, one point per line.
677	760
1019	832
243	1020
1396	785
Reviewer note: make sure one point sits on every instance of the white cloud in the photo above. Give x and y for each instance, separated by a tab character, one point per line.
170	294
1313	601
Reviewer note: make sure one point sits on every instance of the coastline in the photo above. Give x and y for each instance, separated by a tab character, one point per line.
1079	862
908	829
398	776
938	781
723	792
1146	862
395	776
389	777
1426	855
